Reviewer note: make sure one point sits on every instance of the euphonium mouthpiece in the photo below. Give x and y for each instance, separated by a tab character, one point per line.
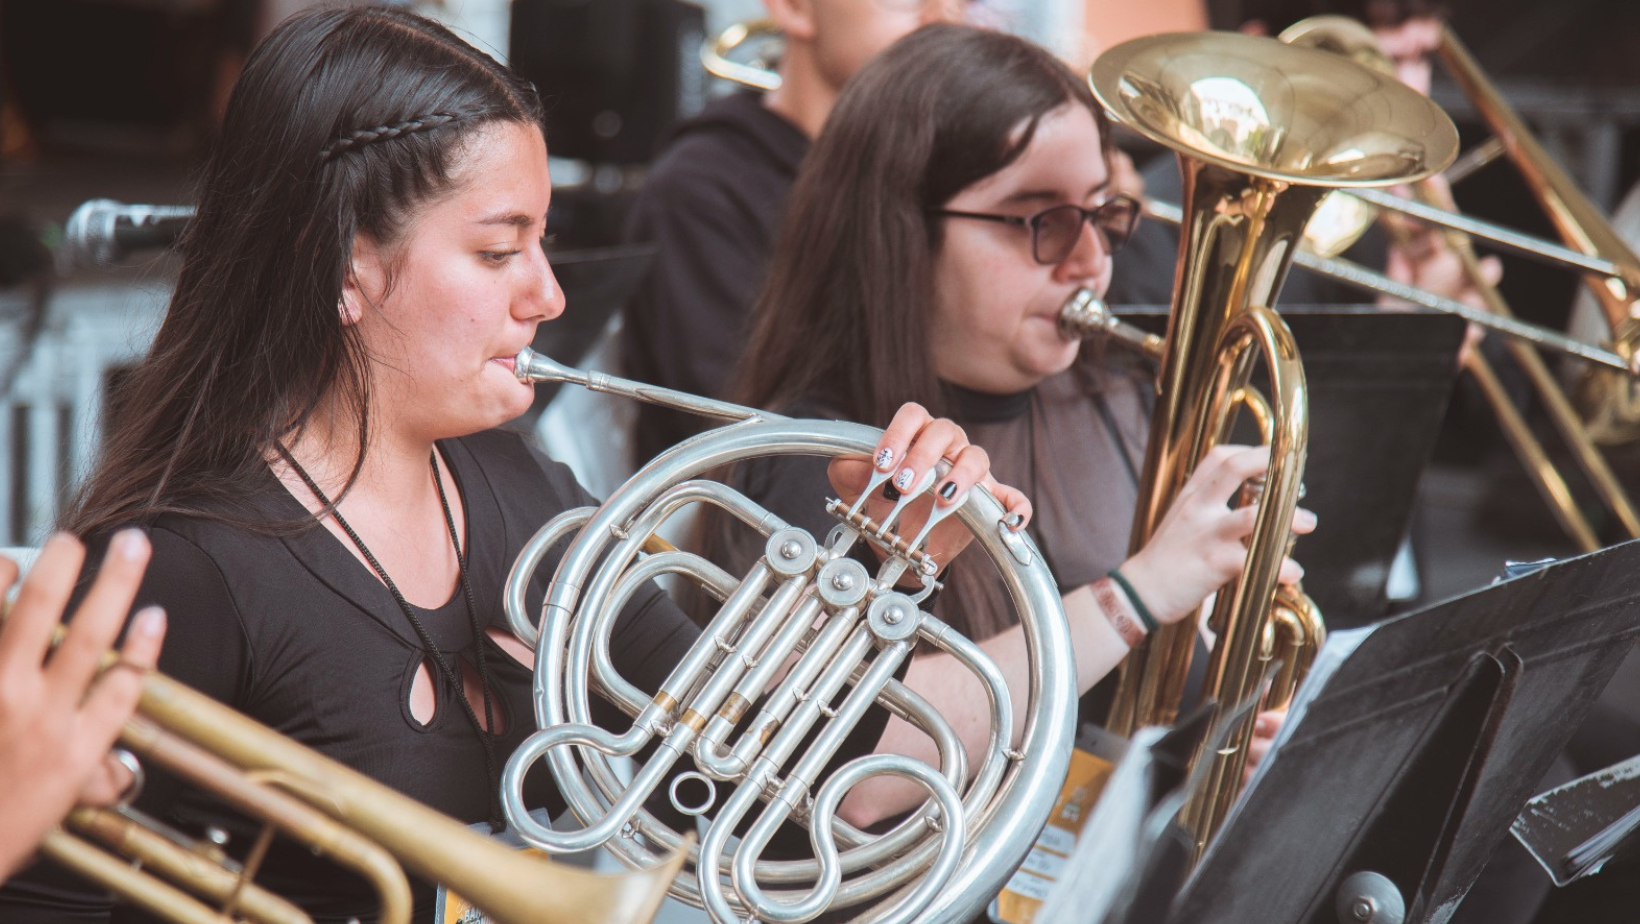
1085	315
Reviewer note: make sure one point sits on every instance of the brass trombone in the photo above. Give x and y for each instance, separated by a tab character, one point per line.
1611	269
338	812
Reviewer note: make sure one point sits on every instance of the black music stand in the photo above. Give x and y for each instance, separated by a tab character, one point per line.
1413	752
1575	829
1379	381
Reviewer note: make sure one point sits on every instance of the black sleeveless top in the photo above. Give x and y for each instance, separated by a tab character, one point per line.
300	635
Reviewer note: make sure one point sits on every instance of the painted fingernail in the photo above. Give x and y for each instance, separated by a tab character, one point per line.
948	490
128	544
1013	521
150	622
885	458
905	479
890	492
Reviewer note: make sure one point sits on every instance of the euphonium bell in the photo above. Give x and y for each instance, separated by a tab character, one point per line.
1263	130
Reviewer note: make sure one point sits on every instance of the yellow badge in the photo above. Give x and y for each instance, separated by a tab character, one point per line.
1021	898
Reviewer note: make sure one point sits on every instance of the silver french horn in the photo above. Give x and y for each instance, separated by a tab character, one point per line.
751	704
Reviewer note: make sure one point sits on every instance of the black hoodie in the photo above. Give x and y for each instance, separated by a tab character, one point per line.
712	204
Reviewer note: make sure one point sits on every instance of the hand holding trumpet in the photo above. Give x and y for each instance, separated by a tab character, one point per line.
58	714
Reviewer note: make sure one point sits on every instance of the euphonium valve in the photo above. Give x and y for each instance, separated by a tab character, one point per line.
799	649
1294	632
1262	131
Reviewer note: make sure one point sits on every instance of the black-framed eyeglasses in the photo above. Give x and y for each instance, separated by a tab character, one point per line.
1055	230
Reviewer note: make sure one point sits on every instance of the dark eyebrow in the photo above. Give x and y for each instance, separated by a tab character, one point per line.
1046	196
1031	197
515	219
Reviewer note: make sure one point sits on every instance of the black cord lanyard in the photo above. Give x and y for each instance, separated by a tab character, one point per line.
485	738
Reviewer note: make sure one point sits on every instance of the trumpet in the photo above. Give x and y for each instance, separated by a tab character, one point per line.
1262	131
338	812
758	40
801	646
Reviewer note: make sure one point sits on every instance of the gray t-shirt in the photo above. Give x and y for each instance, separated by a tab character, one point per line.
1074	444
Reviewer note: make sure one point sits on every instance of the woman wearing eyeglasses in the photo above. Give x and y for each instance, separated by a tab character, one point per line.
959	194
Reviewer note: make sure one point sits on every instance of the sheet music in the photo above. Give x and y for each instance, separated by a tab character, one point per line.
1111	842
1572	830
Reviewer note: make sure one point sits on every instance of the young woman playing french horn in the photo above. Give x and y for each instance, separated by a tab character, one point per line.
312	448
958	195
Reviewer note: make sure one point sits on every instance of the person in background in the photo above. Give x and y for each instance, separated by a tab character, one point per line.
713	200
955	200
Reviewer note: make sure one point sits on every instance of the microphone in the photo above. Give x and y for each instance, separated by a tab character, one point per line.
102	231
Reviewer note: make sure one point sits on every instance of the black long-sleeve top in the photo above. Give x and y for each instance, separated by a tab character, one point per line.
712	204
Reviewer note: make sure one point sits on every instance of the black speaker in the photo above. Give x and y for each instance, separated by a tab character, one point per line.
613	73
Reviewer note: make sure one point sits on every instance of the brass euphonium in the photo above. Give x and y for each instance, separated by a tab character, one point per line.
802	644
1294	632
1263	130
337	812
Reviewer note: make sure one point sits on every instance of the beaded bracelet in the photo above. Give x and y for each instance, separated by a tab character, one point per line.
1133	597
1104	594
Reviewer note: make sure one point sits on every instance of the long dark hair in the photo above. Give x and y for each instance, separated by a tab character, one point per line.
844	315
841	326
343	122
